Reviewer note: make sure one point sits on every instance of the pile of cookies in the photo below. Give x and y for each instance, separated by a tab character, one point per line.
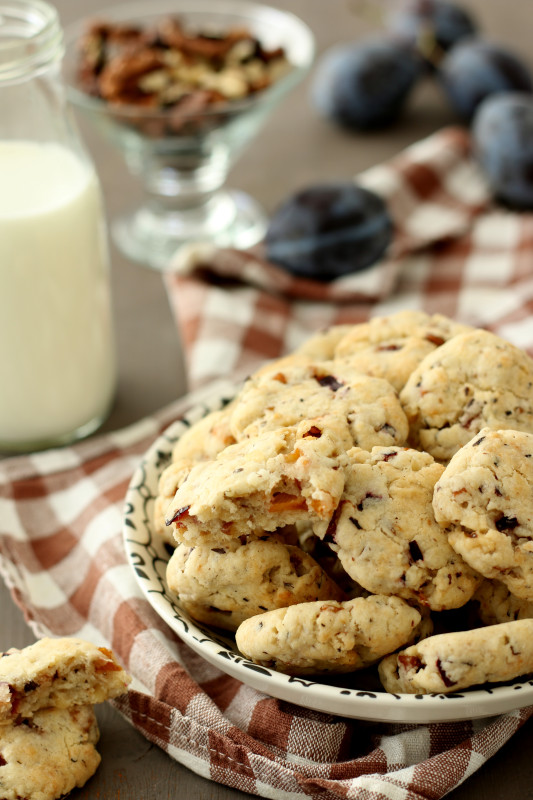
48	729
354	493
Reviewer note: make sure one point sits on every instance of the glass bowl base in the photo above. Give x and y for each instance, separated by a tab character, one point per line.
230	219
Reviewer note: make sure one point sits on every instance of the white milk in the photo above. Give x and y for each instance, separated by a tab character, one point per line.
57	366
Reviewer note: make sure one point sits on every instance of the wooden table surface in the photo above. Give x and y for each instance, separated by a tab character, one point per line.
295	149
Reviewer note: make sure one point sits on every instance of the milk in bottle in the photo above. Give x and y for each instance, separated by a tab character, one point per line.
57	362
57	371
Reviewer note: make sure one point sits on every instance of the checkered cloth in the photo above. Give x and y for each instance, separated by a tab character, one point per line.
61	550
454	252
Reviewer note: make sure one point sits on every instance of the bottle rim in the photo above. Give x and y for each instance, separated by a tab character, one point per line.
31	39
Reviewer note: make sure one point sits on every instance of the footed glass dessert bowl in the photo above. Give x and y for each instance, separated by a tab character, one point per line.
180	88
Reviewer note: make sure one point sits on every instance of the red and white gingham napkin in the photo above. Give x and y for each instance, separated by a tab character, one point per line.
454	252
61	550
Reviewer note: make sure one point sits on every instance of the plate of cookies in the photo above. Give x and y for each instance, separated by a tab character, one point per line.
350	529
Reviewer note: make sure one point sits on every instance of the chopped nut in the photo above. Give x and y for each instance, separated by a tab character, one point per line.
119	80
154	81
242	51
229	82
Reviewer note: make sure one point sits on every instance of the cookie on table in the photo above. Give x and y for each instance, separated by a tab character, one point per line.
386	535
205	438
264	483
223	586
473	381
496	604
450	662
392	347
170	480
329	636
57	673
321	346
284	395
485	494
46	756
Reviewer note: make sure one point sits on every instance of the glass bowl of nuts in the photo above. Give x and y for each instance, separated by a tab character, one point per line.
180	87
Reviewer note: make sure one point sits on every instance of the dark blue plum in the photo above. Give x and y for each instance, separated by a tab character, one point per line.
502	133
432	26
329	230
364	85
475	69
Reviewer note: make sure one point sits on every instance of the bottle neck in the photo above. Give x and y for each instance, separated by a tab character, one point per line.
31	40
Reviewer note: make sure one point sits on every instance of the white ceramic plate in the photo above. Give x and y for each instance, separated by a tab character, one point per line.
358	695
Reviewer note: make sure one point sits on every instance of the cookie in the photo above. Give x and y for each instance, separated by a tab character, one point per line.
392	347
201	442
275	479
386	535
272	366
284	395
170	480
450	662
473	381
224	586
205	438
328	636
58	673
322	345
485	494
46	756
496	604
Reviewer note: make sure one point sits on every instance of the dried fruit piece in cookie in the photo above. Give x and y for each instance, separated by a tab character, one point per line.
223	586
475	380
496	604
59	673
284	394
386	535
450	662
275	479
392	347
485	494
46	756
328	636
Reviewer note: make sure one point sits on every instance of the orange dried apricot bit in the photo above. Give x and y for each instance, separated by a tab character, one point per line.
292	457
109	665
282	501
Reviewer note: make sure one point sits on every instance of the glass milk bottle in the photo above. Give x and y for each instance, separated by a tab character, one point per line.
57	361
